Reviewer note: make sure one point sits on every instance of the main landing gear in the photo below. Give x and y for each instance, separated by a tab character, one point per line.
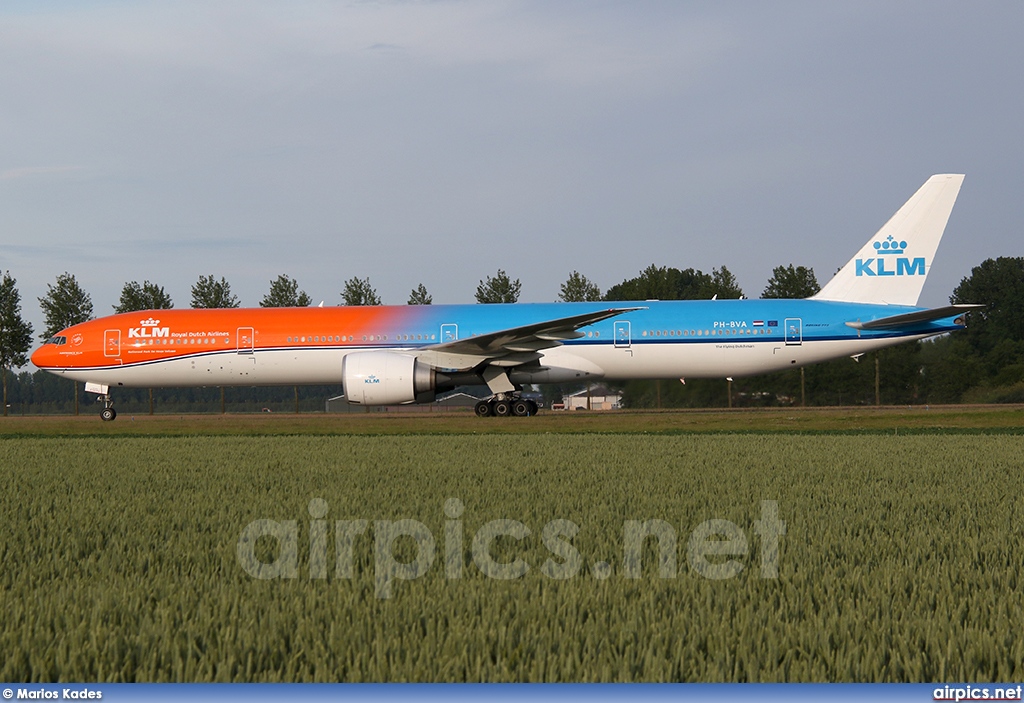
506	405
107	414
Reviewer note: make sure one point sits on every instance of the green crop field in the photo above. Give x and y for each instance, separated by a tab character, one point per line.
900	560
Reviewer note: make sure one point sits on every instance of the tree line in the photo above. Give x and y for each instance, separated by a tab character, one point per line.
985	363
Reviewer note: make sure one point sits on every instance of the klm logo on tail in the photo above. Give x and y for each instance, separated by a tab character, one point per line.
880	266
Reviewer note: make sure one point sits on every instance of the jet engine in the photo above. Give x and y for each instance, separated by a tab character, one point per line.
386	378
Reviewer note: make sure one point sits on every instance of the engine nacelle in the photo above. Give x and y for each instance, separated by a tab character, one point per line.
386	378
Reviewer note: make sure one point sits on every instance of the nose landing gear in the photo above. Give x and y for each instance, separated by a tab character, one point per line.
107	414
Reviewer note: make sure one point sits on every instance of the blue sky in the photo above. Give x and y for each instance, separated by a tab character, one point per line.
435	142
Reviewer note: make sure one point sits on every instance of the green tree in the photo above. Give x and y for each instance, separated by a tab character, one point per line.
653	283
208	292
791	282
420	296
144	296
15	333
998	284
64	304
667	283
578	289
499	289
285	293
358	291
724	284
949	368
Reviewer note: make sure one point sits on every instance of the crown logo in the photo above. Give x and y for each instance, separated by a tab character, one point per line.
150	322
890	246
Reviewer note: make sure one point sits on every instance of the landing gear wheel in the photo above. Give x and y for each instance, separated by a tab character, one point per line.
107	414
533	407
483	409
521	408
502	408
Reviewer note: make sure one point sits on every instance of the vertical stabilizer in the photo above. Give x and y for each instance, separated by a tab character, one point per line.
892	267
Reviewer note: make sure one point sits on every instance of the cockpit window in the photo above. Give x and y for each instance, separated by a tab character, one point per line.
59	341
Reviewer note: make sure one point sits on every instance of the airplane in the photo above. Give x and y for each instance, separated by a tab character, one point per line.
388	355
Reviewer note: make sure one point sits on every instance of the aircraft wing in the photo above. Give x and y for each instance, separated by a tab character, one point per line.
912	318
513	346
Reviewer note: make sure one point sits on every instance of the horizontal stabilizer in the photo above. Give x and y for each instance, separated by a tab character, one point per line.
912	318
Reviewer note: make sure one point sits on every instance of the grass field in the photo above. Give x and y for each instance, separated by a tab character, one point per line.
966	418
901	557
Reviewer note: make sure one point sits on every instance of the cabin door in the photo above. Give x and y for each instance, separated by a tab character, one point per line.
622	334
246	340
449	332
794	331
112	344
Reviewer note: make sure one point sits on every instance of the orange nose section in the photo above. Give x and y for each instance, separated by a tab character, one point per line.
44	356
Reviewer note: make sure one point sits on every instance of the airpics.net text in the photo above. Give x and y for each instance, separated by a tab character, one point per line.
711	549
